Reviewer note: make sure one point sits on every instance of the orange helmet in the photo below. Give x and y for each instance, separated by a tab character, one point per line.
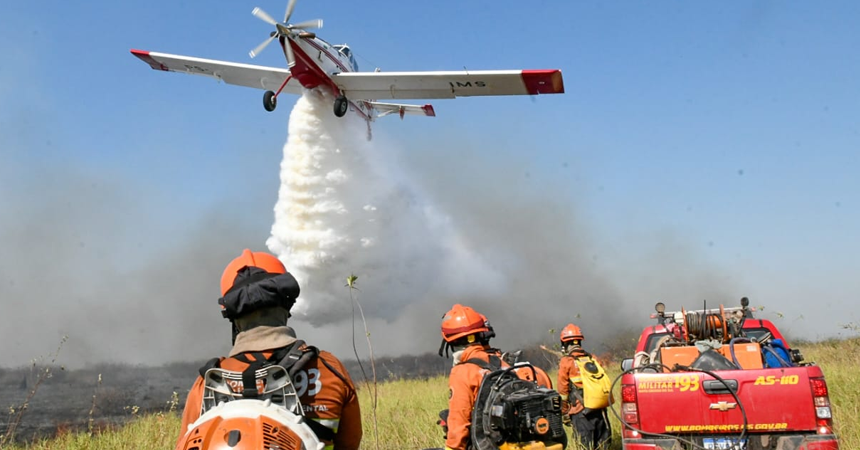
462	321
266	261
571	333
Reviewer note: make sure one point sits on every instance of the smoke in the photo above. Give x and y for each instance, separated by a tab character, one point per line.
453	230
82	257
132	277
342	211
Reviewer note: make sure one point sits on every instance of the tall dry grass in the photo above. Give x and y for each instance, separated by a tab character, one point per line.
407	411
841	364
149	432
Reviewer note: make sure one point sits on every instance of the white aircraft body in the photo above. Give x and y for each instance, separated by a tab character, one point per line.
313	62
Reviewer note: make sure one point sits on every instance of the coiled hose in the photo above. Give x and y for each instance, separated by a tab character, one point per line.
706	325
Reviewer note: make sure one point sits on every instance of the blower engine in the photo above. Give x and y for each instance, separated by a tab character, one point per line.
516	414
228	421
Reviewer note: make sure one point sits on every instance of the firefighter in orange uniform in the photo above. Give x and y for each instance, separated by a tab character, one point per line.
257	294
467	333
464	331
592	426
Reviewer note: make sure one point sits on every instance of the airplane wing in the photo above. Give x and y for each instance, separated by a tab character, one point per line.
260	77
394	108
421	85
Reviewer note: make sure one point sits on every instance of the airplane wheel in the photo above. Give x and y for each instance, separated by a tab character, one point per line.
270	101
341	106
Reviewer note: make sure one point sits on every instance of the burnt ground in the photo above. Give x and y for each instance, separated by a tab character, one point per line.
68	399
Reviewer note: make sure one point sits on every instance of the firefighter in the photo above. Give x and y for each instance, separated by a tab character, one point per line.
467	333
591	425
257	295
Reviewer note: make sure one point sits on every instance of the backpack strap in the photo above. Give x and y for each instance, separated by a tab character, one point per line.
494	364
294	359
334	371
323	432
578	394
249	375
578	391
211	364
286	357
584	354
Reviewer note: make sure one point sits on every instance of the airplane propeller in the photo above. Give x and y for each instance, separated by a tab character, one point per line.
284	28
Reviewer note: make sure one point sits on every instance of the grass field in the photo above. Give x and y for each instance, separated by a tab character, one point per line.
407	410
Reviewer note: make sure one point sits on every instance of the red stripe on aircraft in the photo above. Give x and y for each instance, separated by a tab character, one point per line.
543	82
429	111
306	71
144	55
330	56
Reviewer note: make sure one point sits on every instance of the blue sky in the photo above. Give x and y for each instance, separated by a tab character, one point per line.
731	129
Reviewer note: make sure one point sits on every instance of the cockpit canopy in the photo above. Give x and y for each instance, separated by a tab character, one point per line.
345	51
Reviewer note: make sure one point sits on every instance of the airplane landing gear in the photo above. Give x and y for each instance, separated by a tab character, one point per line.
341	106
270	101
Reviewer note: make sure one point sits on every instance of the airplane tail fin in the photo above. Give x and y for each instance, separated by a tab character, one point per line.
385	109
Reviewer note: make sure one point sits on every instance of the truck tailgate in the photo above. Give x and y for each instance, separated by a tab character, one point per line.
775	400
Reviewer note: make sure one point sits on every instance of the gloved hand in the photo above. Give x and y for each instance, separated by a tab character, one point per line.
565	407
443	422
576	409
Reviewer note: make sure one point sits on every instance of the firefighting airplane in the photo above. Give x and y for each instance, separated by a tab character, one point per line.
313	62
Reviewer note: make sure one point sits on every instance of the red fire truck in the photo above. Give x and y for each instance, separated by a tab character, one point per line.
722	379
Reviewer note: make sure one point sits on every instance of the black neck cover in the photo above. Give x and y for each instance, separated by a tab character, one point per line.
255	288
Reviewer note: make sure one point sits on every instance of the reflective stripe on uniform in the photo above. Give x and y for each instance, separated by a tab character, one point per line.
330	423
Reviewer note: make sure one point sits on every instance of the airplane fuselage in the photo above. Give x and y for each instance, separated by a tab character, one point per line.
316	61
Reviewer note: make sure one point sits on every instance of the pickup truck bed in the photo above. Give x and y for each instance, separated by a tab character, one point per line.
779	408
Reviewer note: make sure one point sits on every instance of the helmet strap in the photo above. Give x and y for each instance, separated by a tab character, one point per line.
235	332
444	347
456	346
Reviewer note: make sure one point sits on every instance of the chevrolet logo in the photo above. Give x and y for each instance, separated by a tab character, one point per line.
723	406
